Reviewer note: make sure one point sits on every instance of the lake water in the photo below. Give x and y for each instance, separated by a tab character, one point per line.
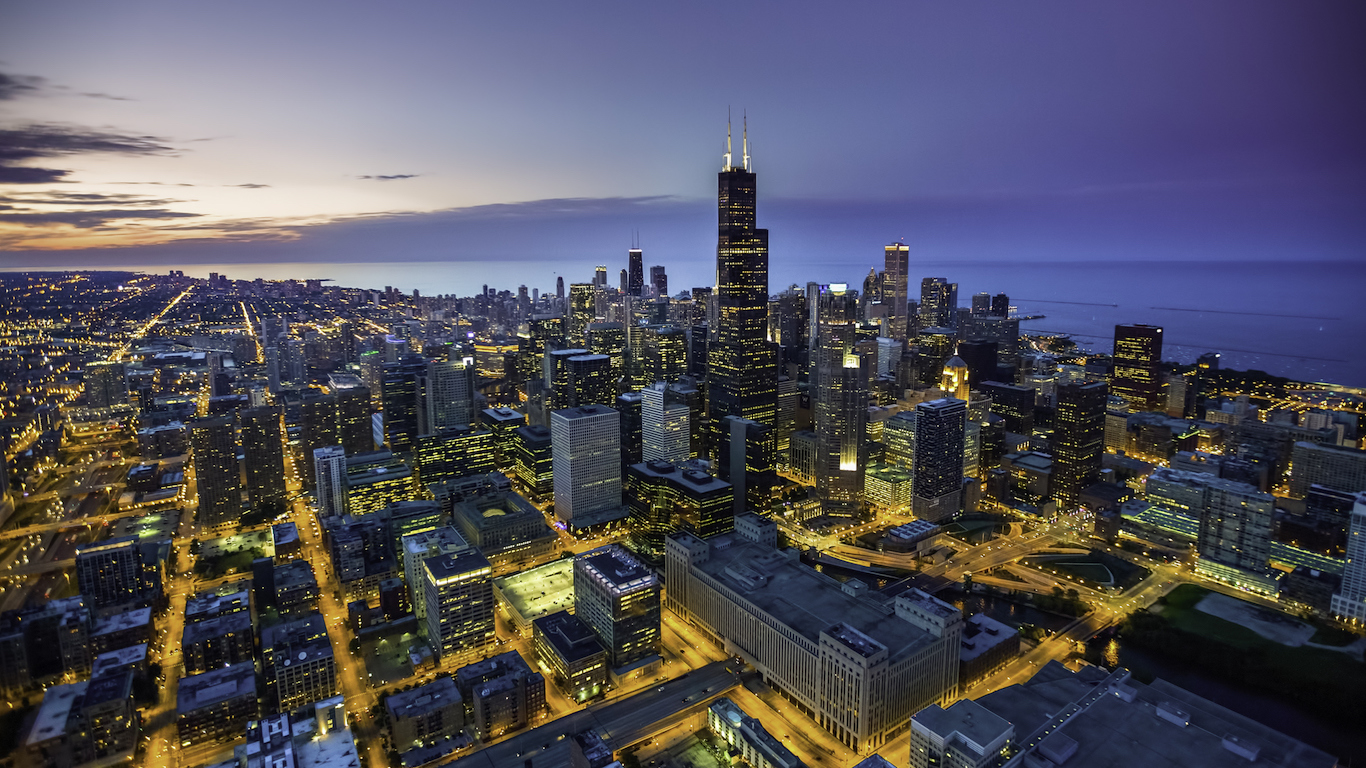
1300	319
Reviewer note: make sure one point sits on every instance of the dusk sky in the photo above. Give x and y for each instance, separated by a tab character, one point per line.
150	132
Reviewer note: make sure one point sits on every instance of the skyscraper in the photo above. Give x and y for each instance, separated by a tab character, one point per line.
320	426
659	281
329	477
587	465
452	589
450	393
354	430
938	303
109	572
264	456
1078	440
664	423
616	595
1349	603
743	370
664	498
582	305
635	278
216	471
1138	367
403	415
105	384
840	401
939	434
894	286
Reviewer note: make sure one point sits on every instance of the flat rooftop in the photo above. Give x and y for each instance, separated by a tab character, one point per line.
123	657
803	599
423	699
51	719
1119	733
615	566
570	636
121	621
539	591
217	626
970	721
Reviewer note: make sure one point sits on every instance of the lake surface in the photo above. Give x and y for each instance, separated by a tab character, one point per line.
1296	319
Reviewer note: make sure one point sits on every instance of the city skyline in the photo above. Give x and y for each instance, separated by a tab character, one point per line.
1003	135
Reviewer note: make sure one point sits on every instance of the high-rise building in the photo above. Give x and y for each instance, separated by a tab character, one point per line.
664	498
747	460
940	426
659	281
1349	602
938	303
319	426
106	384
216	470
630	405
954	379
1013	404
840	373
450	393
264	457
1078	440
1138	367
329	478
541	334
600	276
533	464
895	278
591	381
635	282
664	425
1000	305
1339	468
665	354
609	339
559	287
582	309
587	465
743	369
503	423
354	430
618	596
898	435
452	591
1234	535
109	572
403	407
459	451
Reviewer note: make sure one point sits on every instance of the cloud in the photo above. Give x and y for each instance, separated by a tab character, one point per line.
249	186
84	198
392	177
45	140
155	183
107	96
88	219
14	86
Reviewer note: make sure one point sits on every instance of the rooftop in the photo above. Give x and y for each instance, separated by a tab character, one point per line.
423	699
539	591
449	566
122	621
216	686
217	626
123	657
52	714
582	412
803	599
981	633
967	722
570	636
617	568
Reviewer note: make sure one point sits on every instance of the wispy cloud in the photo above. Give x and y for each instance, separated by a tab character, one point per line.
249	186
14	86
391	177
48	140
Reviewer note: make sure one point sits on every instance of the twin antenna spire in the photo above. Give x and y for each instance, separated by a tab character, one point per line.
744	139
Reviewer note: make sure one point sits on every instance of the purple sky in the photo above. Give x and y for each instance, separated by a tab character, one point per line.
171	132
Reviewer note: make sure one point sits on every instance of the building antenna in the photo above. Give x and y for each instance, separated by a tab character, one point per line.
745	145
726	167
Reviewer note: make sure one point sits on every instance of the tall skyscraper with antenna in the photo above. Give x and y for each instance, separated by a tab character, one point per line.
743	369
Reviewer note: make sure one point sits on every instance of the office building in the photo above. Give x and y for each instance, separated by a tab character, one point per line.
216	704
450	391
662	356
858	664
1078	440
1015	405
840	373
582	310
895	278
966	735
954	378
533	465
264	457
659	281
591	380
329	480
1234	537
425	714
630	405
664	498
742	368
609	339
938	303
940	426
618	596
1349	602
1137	374
106	384
503	423
664	425
353	413
587	465
505	528
1073	718
376	480
320	427
1334	467
452	592
571	651
404	411
746	459
217	474
635	272
454	452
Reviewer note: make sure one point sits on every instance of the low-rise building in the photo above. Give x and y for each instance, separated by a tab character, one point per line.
217	642
747	738
987	645
569	648
505	527
425	714
966	735
216	704
504	692
529	595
